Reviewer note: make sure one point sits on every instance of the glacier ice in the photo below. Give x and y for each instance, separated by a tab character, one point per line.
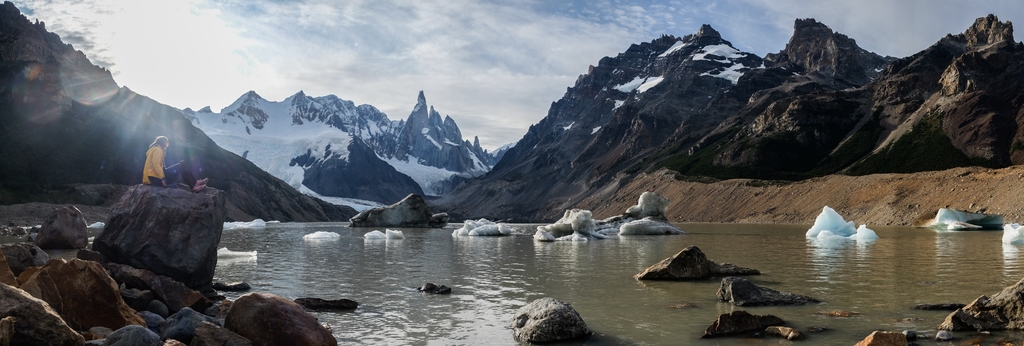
374	235
648	226
1012	234
952	219
393	234
647	217
321	235
649	204
543	236
829	225
225	256
97	225
258	223
482	227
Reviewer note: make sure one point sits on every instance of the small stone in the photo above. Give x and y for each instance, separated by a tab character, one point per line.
435	289
943	335
910	334
784	332
158	307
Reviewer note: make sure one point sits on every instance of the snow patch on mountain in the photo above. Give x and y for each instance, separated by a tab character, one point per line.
425	176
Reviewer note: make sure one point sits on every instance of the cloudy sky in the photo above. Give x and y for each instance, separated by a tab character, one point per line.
493	66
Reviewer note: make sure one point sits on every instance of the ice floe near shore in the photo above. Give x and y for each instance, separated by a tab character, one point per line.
1012	234
483	227
958	220
829	225
645	218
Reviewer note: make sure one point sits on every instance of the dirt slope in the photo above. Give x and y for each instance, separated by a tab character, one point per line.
879	199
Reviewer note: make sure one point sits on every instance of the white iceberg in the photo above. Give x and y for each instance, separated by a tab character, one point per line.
647	226
577	223
393	234
97	225
321	235
829	225
226	253
958	220
482	227
374	235
1012	234
258	223
543	236
649	204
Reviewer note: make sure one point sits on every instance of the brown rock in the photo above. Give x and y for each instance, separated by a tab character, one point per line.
880	338
6	275
1001	311
784	332
740	322
251	313
209	334
173	293
30	321
27	274
691	264
82	294
65	229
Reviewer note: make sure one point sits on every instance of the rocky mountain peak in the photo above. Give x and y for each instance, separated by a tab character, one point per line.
815	48
421	100
988	30
707	31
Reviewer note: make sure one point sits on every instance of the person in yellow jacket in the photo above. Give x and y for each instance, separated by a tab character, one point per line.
153	170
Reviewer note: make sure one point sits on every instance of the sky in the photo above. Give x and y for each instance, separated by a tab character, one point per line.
494	66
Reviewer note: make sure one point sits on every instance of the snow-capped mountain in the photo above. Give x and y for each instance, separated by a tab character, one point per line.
335	148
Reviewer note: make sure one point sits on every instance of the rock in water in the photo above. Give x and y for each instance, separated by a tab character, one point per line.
318	304
170	232
739	322
548	320
250	315
1001	311
691	264
20	256
32	322
412	211
742	292
882	338
784	332
82	293
65	229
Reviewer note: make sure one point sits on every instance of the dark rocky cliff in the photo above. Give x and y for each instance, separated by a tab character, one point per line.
64	121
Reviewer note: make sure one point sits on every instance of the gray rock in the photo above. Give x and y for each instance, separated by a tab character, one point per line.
210	334
136	298
944	306
691	264
327	305
182	325
232	287
170	292
153	321
742	292
159	308
412	211
740	322
435	289
171	232
548	320
64	229
20	256
133	335
1002	311
101	331
97	342
31	321
943	335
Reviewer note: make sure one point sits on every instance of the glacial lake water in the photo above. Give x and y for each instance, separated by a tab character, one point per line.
491	277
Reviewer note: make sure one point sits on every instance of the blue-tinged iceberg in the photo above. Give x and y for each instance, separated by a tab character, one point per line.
483	227
958	220
829	225
647	217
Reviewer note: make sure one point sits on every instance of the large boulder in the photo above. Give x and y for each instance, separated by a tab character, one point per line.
740	322
691	264
252	313
742	292
133	336
1004	310
172	293
64	229
548	320
34	321
21	256
209	334
6	275
169	231
411	211
82	293
182	325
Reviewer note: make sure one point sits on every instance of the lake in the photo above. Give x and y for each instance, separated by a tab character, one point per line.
491	277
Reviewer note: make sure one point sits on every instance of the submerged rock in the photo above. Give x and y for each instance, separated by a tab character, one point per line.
548	320
170	232
742	292
318	304
232	287
32	321
883	338
1001	311
82	293
784	332
251	313
64	229
740	322
691	264
412	211
435	289
944	306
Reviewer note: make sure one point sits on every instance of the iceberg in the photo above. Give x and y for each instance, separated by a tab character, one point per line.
374	235
647	226
258	223
650	204
97	225
543	236
647	217
321	235
393	234
483	227
574	224
226	253
1012	234
958	220
829	225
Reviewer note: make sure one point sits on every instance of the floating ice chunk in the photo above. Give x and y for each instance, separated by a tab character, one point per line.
374	235
258	223
945	218
321	235
648	227
226	253
1012	234
830	220
97	225
865	233
961	226
574	220
649	204
543	236
482	227
393	234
